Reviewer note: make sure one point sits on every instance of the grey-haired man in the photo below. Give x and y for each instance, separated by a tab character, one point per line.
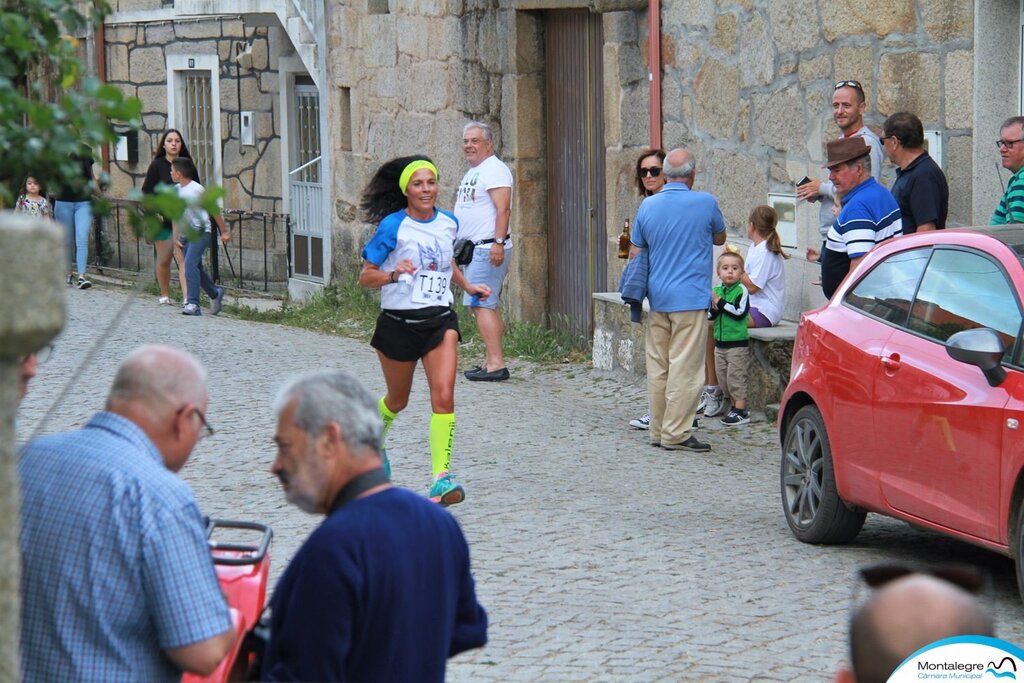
382	589
483	206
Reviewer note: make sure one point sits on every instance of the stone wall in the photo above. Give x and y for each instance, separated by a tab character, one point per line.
417	73
136	62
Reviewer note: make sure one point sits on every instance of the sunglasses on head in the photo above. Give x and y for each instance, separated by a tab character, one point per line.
653	171
849	84
964	576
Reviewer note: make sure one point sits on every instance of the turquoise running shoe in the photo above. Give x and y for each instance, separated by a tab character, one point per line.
386	463
445	491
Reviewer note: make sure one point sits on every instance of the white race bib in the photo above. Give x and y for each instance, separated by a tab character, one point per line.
429	287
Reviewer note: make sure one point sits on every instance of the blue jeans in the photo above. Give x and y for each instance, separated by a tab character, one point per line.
195	274
76	217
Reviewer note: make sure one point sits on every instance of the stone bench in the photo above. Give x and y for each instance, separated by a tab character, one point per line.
619	348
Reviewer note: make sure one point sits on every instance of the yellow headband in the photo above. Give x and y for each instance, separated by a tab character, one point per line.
414	166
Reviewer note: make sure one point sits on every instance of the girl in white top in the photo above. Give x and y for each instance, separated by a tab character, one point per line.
765	276
32	200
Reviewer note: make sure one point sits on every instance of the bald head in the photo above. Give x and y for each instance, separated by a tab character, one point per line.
679	166
904	616
157	379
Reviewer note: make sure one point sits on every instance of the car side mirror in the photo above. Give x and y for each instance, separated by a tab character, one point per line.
980	347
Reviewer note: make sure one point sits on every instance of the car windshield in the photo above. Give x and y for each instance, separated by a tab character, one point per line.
1011	236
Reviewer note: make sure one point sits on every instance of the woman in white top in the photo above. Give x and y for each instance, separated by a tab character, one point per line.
409	259
764	276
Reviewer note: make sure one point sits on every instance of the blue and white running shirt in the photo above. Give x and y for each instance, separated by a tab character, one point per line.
429	245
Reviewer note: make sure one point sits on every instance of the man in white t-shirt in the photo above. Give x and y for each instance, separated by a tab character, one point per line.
483	206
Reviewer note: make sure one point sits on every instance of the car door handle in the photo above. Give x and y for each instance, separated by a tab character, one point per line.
891	362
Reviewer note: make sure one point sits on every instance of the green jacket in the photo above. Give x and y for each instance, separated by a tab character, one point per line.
730	316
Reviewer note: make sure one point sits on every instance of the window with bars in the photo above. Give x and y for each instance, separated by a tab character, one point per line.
195	115
307	132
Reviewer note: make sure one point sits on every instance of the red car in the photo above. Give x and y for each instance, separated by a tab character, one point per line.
906	395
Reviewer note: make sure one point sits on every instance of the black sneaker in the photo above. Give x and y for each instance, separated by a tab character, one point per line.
690	444
83	283
736	417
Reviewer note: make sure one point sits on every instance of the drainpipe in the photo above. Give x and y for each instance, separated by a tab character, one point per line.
101	74
654	66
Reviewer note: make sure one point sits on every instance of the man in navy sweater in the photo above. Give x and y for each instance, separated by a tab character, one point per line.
382	590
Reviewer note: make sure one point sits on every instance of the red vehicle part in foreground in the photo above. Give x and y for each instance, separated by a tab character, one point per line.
242	569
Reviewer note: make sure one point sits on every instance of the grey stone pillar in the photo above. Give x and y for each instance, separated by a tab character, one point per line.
32	260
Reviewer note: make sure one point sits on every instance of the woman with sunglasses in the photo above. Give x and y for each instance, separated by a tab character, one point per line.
409	258
649	180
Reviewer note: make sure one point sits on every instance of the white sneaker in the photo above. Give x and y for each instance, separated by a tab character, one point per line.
641	422
715	404
165	301
702	404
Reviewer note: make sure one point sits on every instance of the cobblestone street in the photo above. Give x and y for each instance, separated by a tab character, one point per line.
598	557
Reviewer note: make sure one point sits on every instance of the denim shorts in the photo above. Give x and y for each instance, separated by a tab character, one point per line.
480	271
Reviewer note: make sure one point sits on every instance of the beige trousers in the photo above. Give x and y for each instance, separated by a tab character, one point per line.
676	346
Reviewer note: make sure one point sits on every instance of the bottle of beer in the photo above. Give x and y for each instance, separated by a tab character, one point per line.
624	240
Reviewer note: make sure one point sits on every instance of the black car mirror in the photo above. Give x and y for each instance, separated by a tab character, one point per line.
982	348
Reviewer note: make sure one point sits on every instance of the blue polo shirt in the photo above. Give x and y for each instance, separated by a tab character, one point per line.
676	227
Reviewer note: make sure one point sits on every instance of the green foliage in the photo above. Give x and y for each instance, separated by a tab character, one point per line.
40	136
348	310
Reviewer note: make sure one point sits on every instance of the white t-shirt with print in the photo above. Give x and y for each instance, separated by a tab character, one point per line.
473	205
428	244
766	270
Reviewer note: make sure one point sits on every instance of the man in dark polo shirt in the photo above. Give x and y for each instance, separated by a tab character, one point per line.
870	214
920	188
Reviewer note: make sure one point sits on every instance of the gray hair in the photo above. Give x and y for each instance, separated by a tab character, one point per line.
486	128
1013	120
684	170
156	376
331	396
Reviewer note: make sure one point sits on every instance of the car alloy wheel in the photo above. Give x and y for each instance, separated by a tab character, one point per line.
810	500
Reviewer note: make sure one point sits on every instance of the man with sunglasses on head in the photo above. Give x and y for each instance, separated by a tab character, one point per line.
848	105
901	617
1011	151
117	582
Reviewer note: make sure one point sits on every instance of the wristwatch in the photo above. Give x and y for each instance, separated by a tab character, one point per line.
500	240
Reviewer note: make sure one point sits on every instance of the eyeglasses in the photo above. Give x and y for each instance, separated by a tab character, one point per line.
653	171
849	84
1008	144
207	429
964	576
886	137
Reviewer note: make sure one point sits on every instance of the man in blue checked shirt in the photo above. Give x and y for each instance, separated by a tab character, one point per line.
117	583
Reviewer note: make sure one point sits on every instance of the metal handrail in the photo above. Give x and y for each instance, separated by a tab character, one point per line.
306	165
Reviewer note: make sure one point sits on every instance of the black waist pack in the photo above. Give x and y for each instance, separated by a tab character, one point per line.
463	252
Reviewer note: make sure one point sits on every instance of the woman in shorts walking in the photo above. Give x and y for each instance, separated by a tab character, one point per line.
409	258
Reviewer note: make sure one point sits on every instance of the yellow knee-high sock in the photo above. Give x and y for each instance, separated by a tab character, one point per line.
387	417
442	434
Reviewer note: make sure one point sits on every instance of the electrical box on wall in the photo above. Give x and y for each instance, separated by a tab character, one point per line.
933	145
247	131
785	208
127	148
